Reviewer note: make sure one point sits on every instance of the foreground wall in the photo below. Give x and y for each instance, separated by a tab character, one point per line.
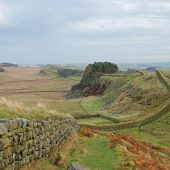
22	141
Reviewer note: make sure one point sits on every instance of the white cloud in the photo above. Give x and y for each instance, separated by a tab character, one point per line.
117	23
124	6
7	11
98	43
85	28
160	6
111	7
3	14
129	7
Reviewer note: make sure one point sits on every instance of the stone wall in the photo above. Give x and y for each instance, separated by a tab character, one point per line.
136	123
22	140
88	116
163	79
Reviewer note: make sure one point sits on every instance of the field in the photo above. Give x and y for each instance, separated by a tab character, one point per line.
27	86
144	147
130	98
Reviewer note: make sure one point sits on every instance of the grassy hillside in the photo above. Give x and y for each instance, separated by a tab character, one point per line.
130	97
95	152
26	85
133	97
98	103
11	109
156	133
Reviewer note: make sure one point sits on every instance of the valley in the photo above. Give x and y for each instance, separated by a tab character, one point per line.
122	126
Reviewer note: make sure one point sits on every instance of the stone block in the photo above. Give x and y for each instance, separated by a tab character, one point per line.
3	129
1	155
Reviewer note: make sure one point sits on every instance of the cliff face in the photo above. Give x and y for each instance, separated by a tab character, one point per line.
22	140
91	82
90	85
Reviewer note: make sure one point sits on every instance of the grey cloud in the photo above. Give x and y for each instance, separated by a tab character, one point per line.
62	31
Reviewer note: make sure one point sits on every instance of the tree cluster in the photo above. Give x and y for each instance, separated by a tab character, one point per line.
101	67
69	72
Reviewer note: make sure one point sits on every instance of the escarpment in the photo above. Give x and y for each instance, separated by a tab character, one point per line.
92	82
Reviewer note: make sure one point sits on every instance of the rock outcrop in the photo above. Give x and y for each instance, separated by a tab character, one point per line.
91	82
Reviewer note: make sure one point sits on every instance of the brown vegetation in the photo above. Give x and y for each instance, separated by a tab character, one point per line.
139	155
29	87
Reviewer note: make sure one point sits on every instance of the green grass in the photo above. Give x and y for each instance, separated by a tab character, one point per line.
95	153
157	132
10	109
7	112
94	104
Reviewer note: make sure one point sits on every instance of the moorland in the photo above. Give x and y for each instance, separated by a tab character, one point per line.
124	115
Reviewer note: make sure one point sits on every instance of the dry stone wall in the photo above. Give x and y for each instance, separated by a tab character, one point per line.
88	116
137	123
22	140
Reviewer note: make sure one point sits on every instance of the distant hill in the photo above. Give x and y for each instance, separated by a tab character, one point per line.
150	69
8	65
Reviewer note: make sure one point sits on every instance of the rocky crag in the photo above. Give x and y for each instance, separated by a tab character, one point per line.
91	82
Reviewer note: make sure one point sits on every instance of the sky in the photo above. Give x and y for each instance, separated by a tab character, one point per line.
84	31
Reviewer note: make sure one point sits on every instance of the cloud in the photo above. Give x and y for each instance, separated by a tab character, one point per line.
3	14
117	24
160	7
8	11
31	30
123	5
